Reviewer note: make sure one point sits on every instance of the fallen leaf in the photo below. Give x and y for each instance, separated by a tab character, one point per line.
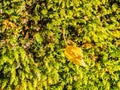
75	55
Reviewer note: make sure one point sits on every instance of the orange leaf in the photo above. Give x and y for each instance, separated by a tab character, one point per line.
75	55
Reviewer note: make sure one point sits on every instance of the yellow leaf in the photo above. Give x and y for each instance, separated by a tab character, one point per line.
75	55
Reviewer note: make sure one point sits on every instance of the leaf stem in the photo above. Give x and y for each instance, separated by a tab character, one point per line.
64	37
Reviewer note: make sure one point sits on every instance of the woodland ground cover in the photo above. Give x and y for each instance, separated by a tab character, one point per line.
32	45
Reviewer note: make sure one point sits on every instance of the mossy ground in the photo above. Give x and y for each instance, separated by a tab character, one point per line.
32	45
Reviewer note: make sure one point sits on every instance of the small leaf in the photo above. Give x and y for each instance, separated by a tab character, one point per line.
22	53
75	55
24	85
3	51
44	12
118	84
114	7
16	55
4	84
22	76
35	83
30	86
38	38
13	76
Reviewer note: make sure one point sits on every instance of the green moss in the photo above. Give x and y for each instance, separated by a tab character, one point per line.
32	45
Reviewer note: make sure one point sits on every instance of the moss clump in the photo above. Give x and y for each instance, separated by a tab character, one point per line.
32	46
